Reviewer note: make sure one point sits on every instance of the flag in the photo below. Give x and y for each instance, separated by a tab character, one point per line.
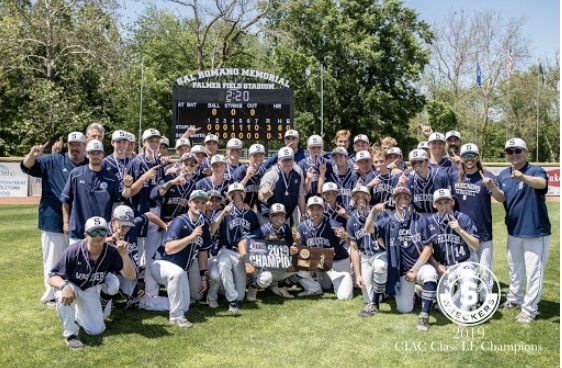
478	74
541	73
510	64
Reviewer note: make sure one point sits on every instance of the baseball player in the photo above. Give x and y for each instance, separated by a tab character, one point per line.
424	146
409	243
182	147
453	141
199	152
81	274
283	184
423	181
473	191
211	144
343	175
360	143
91	191
249	175
315	167
438	157
217	181
233	151
528	228
54	171
291	140
364	162
341	139
118	160
236	223
163	148
333	210
320	232
130	151
395	160
383	184
368	258
187	239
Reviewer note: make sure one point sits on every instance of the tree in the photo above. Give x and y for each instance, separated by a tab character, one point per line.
370	53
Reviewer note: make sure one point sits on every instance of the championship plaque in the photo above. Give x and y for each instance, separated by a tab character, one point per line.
312	259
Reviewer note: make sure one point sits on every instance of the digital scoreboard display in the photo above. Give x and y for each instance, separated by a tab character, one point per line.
247	114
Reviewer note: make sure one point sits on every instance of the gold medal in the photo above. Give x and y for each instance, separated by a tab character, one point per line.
286	193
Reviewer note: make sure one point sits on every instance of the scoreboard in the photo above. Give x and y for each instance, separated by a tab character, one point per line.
247	114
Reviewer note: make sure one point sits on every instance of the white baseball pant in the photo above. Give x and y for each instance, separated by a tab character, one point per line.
214	277
374	270
177	284
232	274
405	300
526	256
151	243
53	245
340	277
86	309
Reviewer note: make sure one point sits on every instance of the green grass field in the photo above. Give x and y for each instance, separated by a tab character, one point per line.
270	333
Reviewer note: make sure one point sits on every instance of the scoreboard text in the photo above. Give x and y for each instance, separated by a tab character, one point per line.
247	114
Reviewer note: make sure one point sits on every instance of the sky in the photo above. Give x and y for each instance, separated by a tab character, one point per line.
542	26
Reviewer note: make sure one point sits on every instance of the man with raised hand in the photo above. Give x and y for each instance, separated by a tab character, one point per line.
528	228
54	171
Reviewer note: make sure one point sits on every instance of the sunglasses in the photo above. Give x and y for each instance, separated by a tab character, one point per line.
515	151
95	233
469	155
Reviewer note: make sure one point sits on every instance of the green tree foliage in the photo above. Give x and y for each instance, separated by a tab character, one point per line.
442	117
370	52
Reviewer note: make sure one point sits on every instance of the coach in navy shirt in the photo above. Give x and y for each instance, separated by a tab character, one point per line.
291	139
528	228
54	171
91	191
80	275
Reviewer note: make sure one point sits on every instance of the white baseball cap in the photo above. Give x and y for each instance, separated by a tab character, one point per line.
198	194
360	189
286	153
453	133
394	151
423	145
164	140
418	155
292	133
315	141
94	146
218	159
339	151
76	137
329	187
236	187
149	133
516	143
124	215
131	137
182	142
361	137
436	137
256	148
277	208
315	201
188	156
469	148
363	155
211	138
234	143
120	135
94	223
442	194
401	190
198	149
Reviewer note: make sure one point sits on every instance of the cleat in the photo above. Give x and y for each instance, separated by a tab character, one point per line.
423	322
252	294
509	305
74	343
213	303
233	307
524	318
370	310
310	293
281	291
181	322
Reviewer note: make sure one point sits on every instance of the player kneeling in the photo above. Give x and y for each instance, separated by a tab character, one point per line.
187	238
81	274
408	243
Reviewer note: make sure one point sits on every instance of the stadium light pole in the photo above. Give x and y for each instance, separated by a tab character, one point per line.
140	104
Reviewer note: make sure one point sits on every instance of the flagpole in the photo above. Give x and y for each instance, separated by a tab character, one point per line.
538	104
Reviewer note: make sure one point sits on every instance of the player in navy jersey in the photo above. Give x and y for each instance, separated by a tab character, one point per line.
360	143
343	175
367	256
130	151
383	184
438	156
320	232
117	161
333	210
172	193
409	244
54	171
91	191
249	175
81	274
291	140
233	151
423	181
364	162
283	184
214	213
182	147
236	223
315	167
453	142
147	171
528	228
187	238
395	157
473	191
217	181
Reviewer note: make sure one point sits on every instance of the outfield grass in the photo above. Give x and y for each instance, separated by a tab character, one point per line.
270	333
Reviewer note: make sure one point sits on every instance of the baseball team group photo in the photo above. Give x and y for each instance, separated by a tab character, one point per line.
276	201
